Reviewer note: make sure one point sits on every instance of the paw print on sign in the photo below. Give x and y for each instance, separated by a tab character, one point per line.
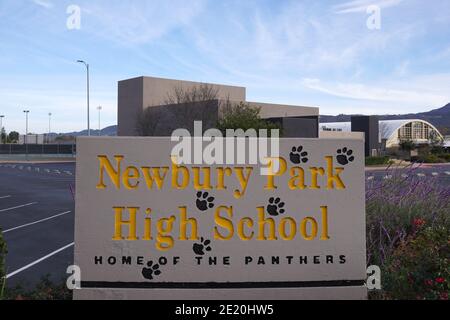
275	207
204	201
151	271
297	156
345	156
201	247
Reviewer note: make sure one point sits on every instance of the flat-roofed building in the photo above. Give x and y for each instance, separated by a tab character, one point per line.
138	94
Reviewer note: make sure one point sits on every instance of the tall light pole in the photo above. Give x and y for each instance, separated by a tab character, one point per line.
49	126
26	131
88	118
1	129
99	108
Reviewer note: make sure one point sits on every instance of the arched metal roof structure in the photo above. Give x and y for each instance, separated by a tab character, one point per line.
393	131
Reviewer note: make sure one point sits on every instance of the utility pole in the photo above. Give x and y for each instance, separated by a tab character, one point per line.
49	126
26	132
88	115
99	108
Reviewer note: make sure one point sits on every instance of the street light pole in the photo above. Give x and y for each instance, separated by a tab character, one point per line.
1	129
88	115
49	126
26	132
99	108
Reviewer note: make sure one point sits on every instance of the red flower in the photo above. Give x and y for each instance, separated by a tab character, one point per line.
429	282
419	222
440	280
444	296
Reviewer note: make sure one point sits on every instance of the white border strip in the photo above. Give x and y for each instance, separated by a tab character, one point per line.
5	197
36	222
12	274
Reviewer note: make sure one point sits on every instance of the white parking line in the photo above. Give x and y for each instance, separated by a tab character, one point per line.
435	174
421	175
12	274
18	207
5	197
447	173
36	222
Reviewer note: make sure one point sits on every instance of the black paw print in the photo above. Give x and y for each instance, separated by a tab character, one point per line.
345	156
200	248
151	271
204	201
275	207
297	156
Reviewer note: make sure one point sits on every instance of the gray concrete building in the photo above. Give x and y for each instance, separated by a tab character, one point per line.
138	94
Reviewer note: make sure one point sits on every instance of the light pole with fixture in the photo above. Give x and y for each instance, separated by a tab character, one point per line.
26	131
87	73
99	108
49	126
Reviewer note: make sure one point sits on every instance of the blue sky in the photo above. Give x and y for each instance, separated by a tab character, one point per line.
316	53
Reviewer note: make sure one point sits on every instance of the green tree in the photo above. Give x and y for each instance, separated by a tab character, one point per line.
13	137
407	145
244	116
3	136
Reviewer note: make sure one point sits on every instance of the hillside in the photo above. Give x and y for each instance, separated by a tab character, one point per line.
440	118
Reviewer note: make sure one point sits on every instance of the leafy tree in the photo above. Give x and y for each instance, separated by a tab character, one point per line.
407	145
243	116
3	136
13	137
180	109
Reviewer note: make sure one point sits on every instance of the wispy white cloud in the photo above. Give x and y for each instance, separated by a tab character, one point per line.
394	93
138	22
362	5
44	3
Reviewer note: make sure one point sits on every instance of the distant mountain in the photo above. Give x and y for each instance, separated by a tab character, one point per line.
110	131
440	118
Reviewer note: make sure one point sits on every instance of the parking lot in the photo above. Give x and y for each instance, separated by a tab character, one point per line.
37	216
37	219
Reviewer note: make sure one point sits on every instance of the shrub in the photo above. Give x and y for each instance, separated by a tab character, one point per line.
393	204
374	161
407	235
419	267
44	290
3	252
432	159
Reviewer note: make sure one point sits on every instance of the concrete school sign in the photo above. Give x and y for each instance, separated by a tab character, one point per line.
147	228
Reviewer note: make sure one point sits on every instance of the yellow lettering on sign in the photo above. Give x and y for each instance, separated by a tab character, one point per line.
334	179
224	222
262	223
243	181
282	164
185	221
113	174
155	176
119	222
164	241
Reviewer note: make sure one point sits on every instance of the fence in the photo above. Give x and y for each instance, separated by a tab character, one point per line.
38	149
